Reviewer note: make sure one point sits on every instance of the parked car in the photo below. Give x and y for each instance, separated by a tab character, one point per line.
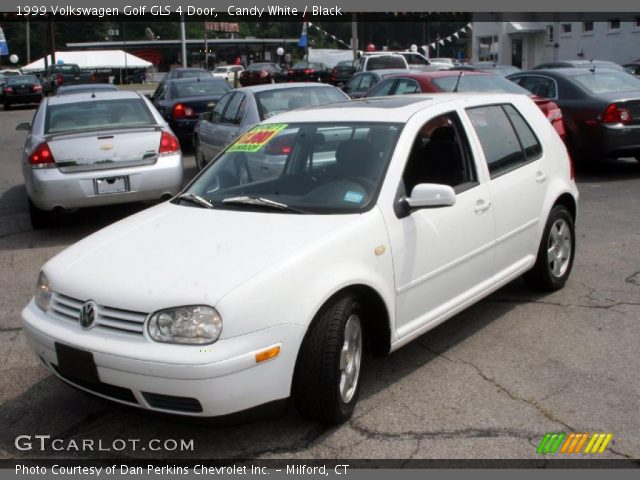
381	61
362	82
490	67
100	148
417	61
261	73
450	62
463	82
308	72
239	293
186	72
138	75
57	75
228	72
243	108
92	87
633	68
600	108
21	90
342	72
181	100
579	64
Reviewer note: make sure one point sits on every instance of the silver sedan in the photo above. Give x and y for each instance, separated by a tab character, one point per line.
243	108
98	148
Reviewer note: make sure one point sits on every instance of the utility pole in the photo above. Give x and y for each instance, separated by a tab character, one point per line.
354	35
183	41
52	40
28	40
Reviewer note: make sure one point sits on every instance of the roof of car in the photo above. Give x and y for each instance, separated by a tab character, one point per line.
282	86
97	95
204	78
565	72
441	73
395	109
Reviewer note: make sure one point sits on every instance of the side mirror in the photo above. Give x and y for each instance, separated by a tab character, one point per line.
24	126
431	195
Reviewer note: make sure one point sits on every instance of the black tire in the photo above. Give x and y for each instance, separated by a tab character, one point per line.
40	218
200	160
318	375
638	158
548	275
7	106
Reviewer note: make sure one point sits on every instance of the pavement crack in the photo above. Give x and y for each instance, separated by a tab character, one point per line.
433	352
634	279
10	329
547	414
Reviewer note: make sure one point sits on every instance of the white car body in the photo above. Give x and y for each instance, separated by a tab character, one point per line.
268	275
229	72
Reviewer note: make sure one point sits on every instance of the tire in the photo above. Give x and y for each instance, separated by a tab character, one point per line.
326	380
638	158
555	254
40	218
7	106
200	160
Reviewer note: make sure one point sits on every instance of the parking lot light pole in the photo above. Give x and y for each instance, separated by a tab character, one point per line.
183	41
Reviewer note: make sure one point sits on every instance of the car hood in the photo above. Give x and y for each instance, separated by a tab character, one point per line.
173	255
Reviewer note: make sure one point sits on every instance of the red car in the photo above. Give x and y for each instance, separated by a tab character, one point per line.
462	81
261	73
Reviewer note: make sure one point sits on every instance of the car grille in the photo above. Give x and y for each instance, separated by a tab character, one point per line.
169	402
68	308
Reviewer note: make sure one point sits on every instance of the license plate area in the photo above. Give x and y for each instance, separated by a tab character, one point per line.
109	185
76	363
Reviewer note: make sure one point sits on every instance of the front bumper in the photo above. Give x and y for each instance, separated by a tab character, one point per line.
49	188
221	379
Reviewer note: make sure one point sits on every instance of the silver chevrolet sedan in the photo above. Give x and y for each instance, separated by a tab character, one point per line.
97	148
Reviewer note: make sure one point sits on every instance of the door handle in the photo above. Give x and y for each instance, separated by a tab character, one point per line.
481	207
541	177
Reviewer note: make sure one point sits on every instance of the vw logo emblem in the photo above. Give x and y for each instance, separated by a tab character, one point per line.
88	314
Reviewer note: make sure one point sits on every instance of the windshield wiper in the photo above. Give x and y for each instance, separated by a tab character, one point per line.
197	199
260	202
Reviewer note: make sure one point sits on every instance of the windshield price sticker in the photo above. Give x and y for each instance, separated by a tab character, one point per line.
257	137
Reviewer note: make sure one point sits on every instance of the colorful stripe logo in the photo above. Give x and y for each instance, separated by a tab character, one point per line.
561	442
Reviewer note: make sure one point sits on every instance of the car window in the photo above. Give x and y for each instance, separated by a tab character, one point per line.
541	86
382	89
500	143
415	59
477	83
528	141
272	102
607	81
67	117
353	84
218	110
406	86
233	113
200	89
385	62
367	81
440	154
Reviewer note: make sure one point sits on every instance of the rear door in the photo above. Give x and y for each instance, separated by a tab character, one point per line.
518	180
208	136
227	129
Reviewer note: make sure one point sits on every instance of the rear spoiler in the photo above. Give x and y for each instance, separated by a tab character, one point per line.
92	130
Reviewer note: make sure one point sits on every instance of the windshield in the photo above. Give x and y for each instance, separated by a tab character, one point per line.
272	102
96	114
478	83
607	81
304	168
22	79
200	89
221	69
259	66
384	62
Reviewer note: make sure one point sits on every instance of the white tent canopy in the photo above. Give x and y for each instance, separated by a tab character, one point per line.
93	59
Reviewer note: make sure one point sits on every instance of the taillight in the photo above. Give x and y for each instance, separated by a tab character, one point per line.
168	144
264	73
182	111
614	114
8	90
307	71
42	157
37	88
280	146
93	77
554	115
59	79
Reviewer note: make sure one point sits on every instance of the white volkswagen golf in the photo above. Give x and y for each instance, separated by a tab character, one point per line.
267	279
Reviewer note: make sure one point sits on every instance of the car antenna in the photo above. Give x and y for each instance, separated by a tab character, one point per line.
93	93
455	89
593	66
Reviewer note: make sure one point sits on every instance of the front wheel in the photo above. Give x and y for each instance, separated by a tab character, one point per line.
7	106
326	381
556	252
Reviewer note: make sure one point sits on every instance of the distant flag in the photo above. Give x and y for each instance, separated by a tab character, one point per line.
303	36
4	46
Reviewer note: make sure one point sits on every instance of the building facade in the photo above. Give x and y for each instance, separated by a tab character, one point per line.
526	44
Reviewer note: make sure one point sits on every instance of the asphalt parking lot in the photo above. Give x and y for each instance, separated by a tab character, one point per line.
487	384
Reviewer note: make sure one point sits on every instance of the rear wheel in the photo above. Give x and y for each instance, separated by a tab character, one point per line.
327	376
40	218
7	106
556	252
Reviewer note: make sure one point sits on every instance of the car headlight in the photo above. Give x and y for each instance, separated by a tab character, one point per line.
196	325
43	292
